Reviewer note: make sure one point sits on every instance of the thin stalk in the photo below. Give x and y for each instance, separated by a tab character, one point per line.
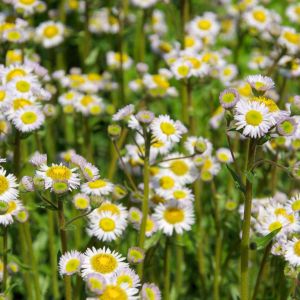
63	240
145	205
185	11
167	270
4	280
121	51
179	263
88	146
218	247
261	270
244	284
200	245
184	102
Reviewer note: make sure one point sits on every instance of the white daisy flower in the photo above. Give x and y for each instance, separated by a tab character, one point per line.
96	283
135	215
81	201
260	83
290	39
181	69
106	226
97	187
124	113
114	60
258	17
174	218
26	6
38	159
293	12
113	291
102	261
254	118
294	203
28	119
9	209
165	129
50	33
181	194
224	155
60	173
205	26
201	145
292	252
150	291
127	277
116	209
90	172
70	263
8	186
25	86
13	71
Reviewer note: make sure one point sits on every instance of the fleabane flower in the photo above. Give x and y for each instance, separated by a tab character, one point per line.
165	129
174	218
102	261
292	252
59	173
150	291
290	39
258	17
8	186
260	83
8	210
28	119
97	187
70	263
253	118
50	33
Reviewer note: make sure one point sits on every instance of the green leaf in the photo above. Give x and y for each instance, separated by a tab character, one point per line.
92	57
153	240
237	179
261	242
250	176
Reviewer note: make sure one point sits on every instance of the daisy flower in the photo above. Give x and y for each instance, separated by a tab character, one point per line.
165	129
96	283
294	203
106	226
127	277
13	71
56	173
50	33
81	201
290	39
292	252
9	209
38	159
8	186
293	12
26	6
90	172
224	155
28	119
258	17
121	292
135	215
199	145
135	255
181	194
97	187
174	218
124	113
260	83
116	209
24	86
254	118
181	69
204	26
150	291
229	98
102	261
70	263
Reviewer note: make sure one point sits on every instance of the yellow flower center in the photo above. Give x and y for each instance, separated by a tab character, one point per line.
29	117
95	283
259	16
167	182
161	81
15	73
20	103
13	35
12	206
174	215
150	294
223	157
189	41
179	167
107	224
280	211
95	110
296	205
59	173
114	209
82	203
254	117
72	265
228	98
2	95
135	216
183	70
204	24
293	38
27	2
104	263
149	225
113	292
99	183
178	194
4	184
167	128
275	225
86	100
297	248
269	103
137	255
165	47
125	279
50	31
227	71
3	127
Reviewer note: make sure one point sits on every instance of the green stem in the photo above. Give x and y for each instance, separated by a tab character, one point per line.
63	240
179	263
261	270
145	205
244	285
167	270
184	102
4	280
88	146
218	247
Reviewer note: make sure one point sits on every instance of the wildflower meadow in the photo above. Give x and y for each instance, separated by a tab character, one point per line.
149	150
